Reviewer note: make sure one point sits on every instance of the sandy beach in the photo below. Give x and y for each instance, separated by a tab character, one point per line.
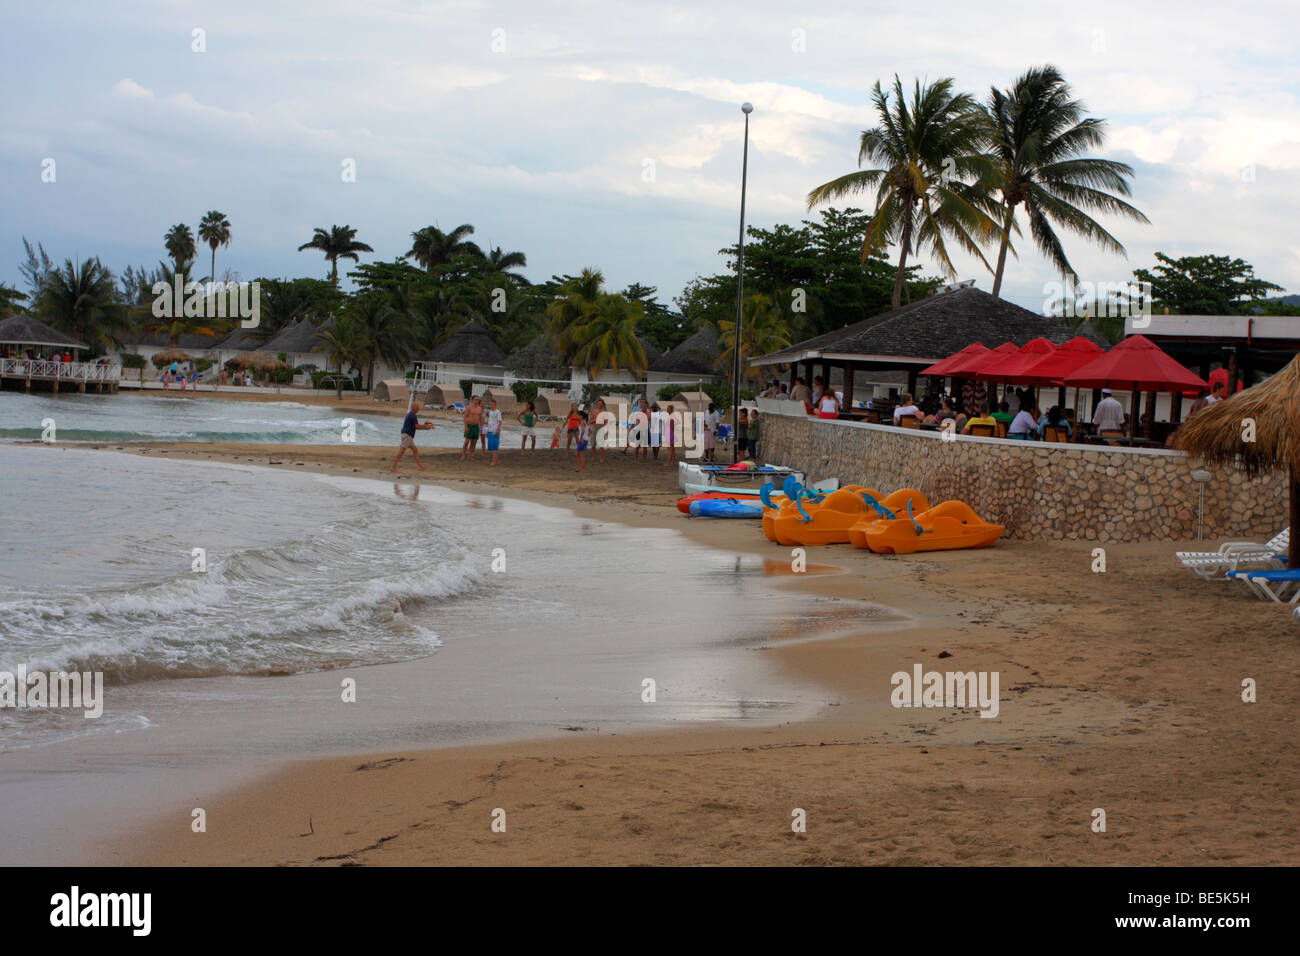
1119	691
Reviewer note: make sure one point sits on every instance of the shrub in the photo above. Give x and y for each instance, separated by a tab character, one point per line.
132	360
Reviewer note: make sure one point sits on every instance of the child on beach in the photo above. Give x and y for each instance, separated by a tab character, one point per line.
582	433
555	437
473	419
410	424
494	432
528	419
574	421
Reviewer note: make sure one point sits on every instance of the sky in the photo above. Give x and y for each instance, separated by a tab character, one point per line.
605	134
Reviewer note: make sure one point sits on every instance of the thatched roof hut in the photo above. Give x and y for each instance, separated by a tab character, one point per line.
25	330
552	404
1258	429
469	345
698	355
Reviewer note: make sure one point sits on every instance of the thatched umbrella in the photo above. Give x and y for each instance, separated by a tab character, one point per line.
1216	434
258	360
167	356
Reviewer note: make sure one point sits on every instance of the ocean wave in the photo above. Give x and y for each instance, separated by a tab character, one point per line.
331	599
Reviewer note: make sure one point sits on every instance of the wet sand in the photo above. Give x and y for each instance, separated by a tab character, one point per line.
1119	691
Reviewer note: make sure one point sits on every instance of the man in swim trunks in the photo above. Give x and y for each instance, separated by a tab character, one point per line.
494	432
473	421
409	426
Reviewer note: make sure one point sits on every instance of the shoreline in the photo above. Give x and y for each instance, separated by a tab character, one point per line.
1102	705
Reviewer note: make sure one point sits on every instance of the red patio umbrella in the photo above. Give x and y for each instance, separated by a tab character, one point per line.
944	366
1049	369
970	368
1137	364
1009	367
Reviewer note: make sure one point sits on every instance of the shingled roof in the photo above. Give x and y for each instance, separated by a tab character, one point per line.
25	330
930	329
469	345
698	355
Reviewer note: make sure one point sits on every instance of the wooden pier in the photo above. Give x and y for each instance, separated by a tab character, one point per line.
61	375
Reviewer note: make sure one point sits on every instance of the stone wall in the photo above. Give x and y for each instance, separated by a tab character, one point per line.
1037	490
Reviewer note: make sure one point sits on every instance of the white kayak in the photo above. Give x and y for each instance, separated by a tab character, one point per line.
717	476
694	488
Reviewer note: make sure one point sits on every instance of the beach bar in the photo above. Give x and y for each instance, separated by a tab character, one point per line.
31	352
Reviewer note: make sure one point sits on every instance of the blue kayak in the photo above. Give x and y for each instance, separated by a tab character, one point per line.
726	508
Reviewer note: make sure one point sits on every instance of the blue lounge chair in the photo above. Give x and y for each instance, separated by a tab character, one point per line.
1272	585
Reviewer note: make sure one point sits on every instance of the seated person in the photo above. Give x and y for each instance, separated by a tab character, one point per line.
984	418
907	407
1003	414
1055	416
946	412
1025	424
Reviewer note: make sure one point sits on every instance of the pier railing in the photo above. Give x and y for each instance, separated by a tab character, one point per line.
46	370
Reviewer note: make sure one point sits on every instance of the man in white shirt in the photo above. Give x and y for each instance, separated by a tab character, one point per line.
906	407
1012	400
1109	414
1023	424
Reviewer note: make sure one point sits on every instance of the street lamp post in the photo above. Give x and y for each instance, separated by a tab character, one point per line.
745	108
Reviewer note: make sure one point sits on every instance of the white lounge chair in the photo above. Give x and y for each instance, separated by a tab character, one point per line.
1233	555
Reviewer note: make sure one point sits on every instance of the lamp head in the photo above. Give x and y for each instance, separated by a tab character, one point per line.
747	107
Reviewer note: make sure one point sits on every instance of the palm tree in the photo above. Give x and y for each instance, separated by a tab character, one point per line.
431	247
928	175
499	261
9	297
606	336
437	313
339	243
83	302
179	242
178	323
385	333
763	330
1038	132
214	229
343	342
577	298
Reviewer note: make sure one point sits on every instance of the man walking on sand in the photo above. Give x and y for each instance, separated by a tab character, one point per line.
410	424
473	421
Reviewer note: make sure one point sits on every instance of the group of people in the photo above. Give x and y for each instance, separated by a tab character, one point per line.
585	432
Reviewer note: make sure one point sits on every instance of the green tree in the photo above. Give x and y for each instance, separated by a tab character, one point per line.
214	229
9	299
498	261
344	344
339	242
763	329
928	176
605	336
1038	132
1205	285
284	301
179	242
177	323
83	302
432	248
574	301
384	331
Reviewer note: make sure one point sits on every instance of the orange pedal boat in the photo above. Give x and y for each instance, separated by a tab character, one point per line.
821	522
950	526
779	507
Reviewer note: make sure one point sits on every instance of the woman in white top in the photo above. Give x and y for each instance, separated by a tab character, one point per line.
828	406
